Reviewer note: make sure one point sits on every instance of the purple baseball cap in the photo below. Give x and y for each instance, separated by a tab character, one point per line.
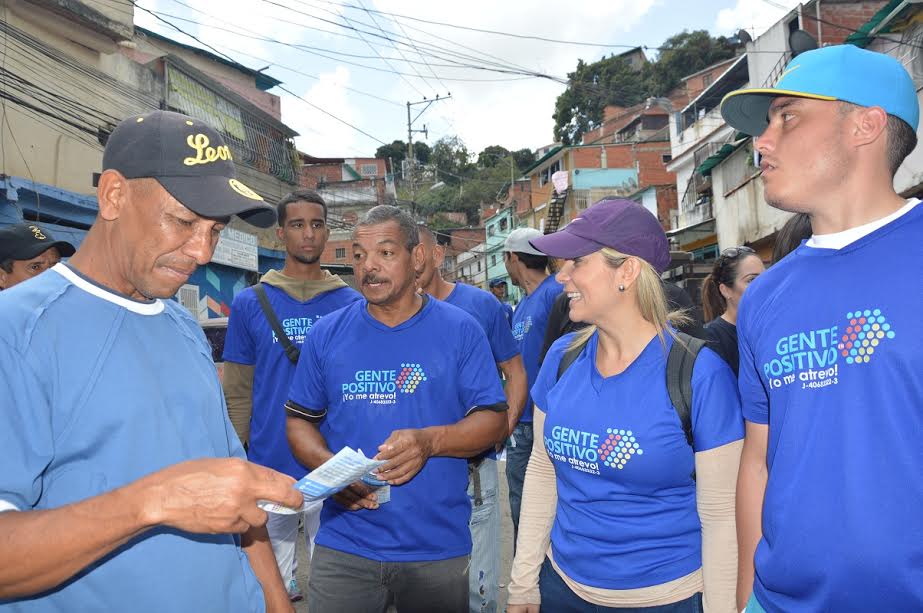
623	225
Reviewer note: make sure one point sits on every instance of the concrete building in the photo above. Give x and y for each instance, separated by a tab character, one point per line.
74	69
741	215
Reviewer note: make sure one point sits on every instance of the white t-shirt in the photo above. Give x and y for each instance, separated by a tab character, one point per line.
838	240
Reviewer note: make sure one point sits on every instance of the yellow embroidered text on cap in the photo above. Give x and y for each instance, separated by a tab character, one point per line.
204	153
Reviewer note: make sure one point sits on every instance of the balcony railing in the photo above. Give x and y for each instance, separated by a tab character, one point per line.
254	140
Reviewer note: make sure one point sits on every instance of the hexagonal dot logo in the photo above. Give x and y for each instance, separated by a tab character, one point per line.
618	448
865	331
410	377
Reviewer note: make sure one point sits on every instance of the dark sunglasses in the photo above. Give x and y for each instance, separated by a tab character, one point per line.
733	252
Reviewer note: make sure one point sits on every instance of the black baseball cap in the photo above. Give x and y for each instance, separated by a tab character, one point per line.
25	241
190	160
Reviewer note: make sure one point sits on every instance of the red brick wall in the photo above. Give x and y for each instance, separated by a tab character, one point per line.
329	254
852	15
651	169
315	173
666	202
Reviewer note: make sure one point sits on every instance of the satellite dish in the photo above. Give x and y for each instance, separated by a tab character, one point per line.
800	41
744	37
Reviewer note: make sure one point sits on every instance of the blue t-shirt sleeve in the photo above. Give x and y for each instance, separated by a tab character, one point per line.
502	343
754	397
239	346
478	384
308	388
716	417
26	438
548	373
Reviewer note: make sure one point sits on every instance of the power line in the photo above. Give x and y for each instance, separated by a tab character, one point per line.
285	89
283	66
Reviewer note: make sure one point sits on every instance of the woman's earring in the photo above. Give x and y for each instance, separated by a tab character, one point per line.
621	288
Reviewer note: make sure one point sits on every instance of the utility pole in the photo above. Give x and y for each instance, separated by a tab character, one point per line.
410	132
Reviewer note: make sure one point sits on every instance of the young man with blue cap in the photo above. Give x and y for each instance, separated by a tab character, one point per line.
124	486
830	358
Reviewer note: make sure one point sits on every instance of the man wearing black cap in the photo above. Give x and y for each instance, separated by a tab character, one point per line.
27	250
124	485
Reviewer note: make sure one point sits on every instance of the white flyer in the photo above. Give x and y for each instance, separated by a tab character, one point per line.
344	468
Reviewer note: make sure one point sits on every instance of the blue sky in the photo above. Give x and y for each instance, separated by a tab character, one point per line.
497	108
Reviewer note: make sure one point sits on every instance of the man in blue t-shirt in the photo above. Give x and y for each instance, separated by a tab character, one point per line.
829	493
412	381
498	289
483	482
528	268
123	486
257	370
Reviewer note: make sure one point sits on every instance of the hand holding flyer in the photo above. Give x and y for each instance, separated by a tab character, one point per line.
345	467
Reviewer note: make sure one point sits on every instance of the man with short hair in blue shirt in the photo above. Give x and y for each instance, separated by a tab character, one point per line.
411	380
483	485
124	487
257	370
829	492
528	268
498	289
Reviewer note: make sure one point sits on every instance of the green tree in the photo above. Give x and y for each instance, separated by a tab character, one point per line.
524	158
684	54
451	159
493	155
612	81
397	151
590	88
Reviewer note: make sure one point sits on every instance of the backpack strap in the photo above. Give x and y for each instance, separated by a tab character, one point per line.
291	351
568	358
680	363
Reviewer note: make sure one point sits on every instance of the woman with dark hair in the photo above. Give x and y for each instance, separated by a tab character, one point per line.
722	290
795	231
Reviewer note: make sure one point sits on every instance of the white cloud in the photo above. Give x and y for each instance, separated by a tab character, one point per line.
320	134
512	113
754	16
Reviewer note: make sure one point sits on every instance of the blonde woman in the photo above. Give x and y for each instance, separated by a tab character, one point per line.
619	511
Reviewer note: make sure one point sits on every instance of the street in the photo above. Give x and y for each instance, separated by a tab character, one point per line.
506	553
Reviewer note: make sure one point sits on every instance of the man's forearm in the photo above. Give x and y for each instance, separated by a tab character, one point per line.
516	388
470	436
751	490
51	546
306	442
259	552
238	393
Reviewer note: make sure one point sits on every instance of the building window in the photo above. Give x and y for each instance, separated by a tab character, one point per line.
493	260
706	80
341	253
503	225
666	158
545	177
479	265
491	230
368	170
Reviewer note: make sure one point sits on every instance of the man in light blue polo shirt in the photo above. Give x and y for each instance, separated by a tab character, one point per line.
123	485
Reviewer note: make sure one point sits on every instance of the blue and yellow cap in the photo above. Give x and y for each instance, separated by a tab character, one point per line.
839	72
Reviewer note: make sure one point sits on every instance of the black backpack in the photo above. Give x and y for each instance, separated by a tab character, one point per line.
680	363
